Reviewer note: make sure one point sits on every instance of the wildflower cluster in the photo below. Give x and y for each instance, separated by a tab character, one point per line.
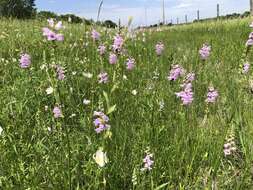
101	121
246	67
159	48
229	146
118	43
95	35
148	162
212	95
186	94
103	78
25	61
130	63
205	51
51	34
176	72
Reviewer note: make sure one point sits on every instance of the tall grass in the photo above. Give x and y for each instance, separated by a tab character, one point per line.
186	141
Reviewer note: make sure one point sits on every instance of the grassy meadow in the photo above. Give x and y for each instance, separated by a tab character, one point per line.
186	142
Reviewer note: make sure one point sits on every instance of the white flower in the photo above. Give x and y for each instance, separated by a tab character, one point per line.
42	67
124	77
49	90
86	102
100	157
161	105
1	130
134	92
87	75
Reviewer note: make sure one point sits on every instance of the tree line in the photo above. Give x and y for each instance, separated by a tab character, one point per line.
25	9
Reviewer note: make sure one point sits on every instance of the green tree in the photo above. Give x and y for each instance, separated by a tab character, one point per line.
17	8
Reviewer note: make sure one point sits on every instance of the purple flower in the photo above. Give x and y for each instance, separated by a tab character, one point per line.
159	48
148	162
101	121
25	61
212	95
59	37
59	25
57	112
113	58
101	49
205	51
249	42
190	77
95	35
246	67
176	72
130	63
45	31
51	36
117	43
60	72
103	77
186	94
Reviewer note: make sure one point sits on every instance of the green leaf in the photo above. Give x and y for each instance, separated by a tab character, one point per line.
106	99
111	109
161	186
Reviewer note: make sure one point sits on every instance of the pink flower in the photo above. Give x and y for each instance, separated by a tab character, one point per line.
45	31
186	94
25	61
246	67
57	112
249	42
117	43
60	72
159	48
103	77
59	26
101	49
148	162
95	35
59	37
100	121
51	36
130	63
176	72
205	51
212	95
113	58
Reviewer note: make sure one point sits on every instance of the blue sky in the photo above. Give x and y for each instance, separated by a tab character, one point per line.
122	9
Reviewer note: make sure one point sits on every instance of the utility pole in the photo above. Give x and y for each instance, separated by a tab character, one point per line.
177	20
163	8
198	15
218	10
186	19
251	7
